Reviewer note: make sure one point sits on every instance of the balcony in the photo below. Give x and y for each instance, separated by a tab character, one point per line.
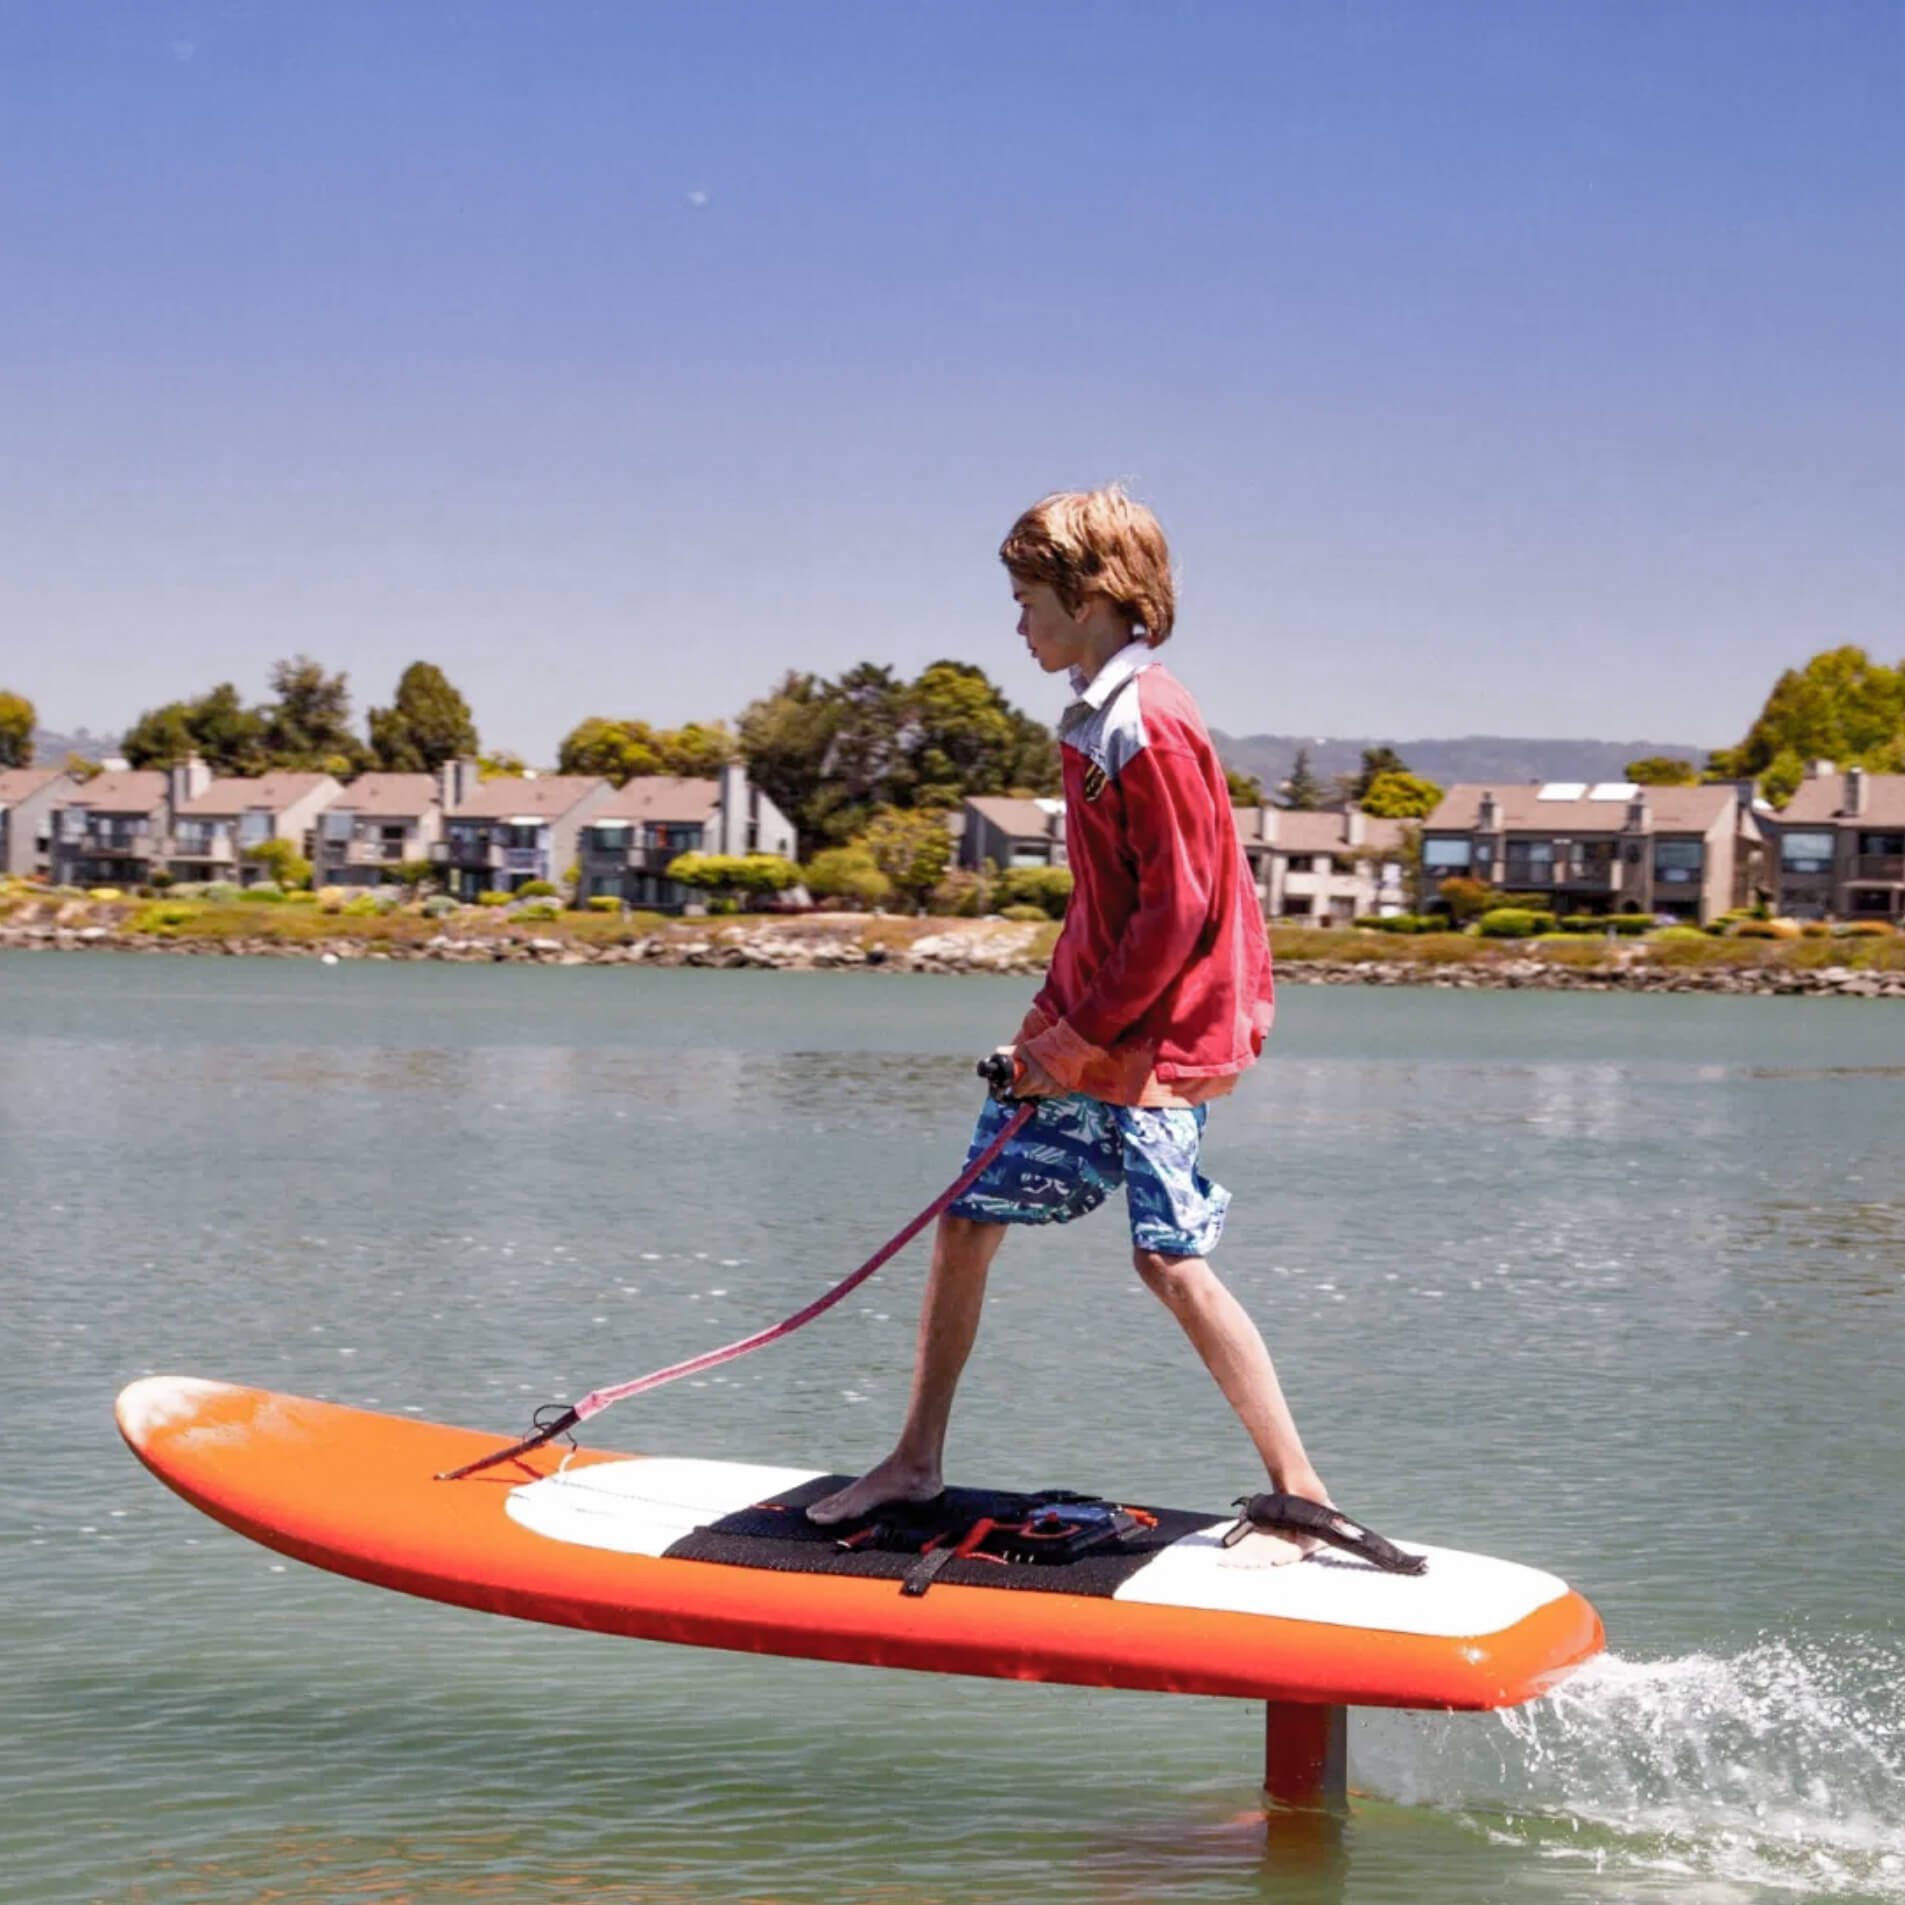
466	853
1878	866
118	846
215	850
363	853
531	860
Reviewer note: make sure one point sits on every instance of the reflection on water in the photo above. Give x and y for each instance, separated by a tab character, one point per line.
1592	1282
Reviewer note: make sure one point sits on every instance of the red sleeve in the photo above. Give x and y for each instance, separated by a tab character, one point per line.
1171	826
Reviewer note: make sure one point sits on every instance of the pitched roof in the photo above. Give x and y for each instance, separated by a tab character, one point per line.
396	796
1824	799
1521	809
1322	832
548	797
244	794
661	797
22	783
130	790
1016	819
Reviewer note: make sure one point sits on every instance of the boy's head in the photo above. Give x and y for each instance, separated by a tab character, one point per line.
1097	543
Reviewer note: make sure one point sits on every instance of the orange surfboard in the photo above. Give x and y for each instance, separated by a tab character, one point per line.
594	1541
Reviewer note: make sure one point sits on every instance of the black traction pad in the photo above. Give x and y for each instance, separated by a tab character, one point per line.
778	1535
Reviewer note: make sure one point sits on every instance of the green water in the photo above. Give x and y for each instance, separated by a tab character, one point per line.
1611	1285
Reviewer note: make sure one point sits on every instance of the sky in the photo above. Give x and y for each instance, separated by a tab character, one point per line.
1493	368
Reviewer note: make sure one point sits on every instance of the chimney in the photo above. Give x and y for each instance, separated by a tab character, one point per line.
1355	832
1489	816
1267	824
1818	770
1855	791
186	780
457	780
732	805
1639	819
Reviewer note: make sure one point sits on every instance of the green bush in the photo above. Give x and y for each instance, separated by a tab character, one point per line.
438	906
1676	936
163	916
1514	922
1864	929
847	873
538	910
1756	929
604	903
363	907
494	898
1047	888
219	891
1025	911
961	894
268	891
304	897
537	890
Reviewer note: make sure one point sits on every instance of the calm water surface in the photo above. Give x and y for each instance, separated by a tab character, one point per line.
1616	1286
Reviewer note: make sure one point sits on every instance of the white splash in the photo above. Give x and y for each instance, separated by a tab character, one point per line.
1779	1767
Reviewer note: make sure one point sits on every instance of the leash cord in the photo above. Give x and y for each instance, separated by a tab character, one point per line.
599	1399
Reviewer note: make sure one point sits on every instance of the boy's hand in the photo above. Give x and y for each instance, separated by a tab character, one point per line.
1030	1079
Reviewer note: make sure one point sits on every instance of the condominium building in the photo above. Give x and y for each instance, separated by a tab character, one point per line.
381	821
110	830
1841	846
1330	867
514	829
28	798
630	838
1686	852
215	829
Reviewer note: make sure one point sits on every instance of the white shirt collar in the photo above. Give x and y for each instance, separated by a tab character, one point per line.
1113	675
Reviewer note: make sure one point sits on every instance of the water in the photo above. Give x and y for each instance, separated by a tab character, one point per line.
1611	1285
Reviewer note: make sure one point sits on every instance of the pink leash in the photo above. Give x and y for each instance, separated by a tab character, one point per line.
599	1399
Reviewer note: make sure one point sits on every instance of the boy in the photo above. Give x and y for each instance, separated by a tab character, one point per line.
1158	997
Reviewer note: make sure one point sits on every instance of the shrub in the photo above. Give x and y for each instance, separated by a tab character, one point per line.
1047	888
538	910
847	873
1814	929
363	907
962	894
1024	911
1464	898
267	890
160	879
604	903
1864	929
219	891
1514	922
494	898
438	906
1763	929
105	893
162	916
1676	936
537	890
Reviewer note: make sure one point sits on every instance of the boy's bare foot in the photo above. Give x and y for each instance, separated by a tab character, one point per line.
1263	1548
892	1481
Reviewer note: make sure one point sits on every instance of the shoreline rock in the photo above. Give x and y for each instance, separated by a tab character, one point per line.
1001	949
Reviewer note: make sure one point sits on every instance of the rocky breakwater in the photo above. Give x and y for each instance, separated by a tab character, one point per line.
1628	974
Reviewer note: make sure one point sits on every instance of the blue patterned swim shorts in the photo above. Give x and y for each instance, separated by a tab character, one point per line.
1078	1150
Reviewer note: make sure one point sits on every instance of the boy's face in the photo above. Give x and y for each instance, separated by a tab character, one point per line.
1048	628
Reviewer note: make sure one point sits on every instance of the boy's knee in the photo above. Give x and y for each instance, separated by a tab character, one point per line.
1175	1279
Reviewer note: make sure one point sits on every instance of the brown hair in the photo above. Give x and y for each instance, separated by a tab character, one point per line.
1097	542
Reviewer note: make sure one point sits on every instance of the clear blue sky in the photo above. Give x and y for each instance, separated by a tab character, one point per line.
1513	368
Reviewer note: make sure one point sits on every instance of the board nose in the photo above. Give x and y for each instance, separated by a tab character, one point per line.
146	1408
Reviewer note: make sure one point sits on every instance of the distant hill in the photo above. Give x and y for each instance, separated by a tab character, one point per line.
1474	757
49	749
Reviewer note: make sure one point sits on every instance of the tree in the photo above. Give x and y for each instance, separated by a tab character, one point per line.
17	722
622	751
966	738
785	736
226	735
1841	706
728	875
1466	899
1377	761
282	862
307	729
1401	796
912	848
1661	770
1246	790
428	723
1302	792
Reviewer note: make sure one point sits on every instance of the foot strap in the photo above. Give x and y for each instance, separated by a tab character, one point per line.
1294	1514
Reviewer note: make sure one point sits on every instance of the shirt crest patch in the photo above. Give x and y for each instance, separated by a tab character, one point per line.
1096	780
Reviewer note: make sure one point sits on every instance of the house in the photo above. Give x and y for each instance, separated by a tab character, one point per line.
511	830
1330	867
631	838
1840	846
380	821
215	827
28	796
1011	832
1687	852
110	830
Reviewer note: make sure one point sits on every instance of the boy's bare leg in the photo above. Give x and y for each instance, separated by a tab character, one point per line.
1233	1351
948	1322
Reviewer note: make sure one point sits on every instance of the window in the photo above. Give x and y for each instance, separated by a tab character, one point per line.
1448	856
1872	899
337	826
1300	863
254	829
1882	843
1805	852
611	837
1530	862
1679	862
